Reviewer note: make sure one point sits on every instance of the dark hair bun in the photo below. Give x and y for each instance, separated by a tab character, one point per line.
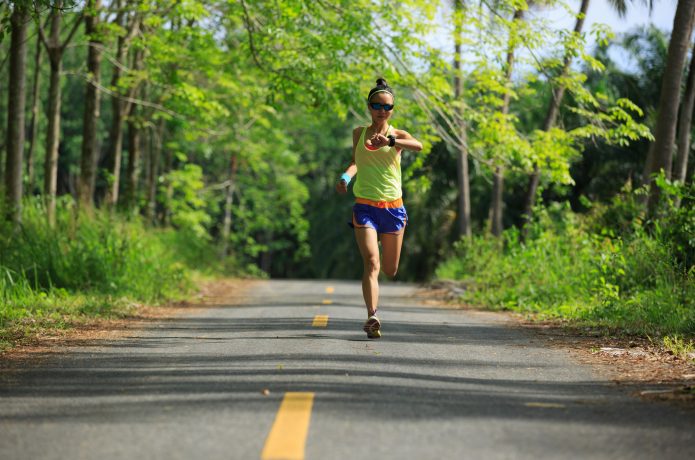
381	85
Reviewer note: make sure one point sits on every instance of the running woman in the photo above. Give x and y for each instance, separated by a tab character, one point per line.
378	214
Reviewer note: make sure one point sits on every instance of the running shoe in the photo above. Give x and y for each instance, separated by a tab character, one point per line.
372	327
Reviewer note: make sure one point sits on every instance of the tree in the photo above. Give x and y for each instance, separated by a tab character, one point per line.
497	203
558	93
661	153
34	121
127	23
55	50
134	140
88	165
5	15
16	106
228	199
685	124
156	141
464	209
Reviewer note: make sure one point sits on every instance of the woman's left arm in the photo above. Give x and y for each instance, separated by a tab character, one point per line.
405	141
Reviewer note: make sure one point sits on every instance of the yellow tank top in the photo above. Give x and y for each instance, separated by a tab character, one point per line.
378	172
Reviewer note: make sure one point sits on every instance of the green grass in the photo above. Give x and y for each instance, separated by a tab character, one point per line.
635	284
680	347
97	266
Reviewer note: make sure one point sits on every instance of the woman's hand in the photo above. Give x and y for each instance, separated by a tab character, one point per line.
379	140
341	187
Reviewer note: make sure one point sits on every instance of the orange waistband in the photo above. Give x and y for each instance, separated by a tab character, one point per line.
380	204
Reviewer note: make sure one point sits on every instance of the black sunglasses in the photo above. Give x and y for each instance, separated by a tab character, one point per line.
377	106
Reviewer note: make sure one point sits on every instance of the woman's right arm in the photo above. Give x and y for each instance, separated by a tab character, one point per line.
341	186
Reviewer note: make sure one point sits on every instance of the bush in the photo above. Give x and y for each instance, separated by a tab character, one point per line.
100	253
87	266
575	269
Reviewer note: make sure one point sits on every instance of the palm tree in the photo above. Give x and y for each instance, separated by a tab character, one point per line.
685	124
661	153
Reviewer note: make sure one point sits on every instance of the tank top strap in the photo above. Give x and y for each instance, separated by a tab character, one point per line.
362	134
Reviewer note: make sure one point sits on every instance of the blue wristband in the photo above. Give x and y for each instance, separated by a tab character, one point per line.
346	177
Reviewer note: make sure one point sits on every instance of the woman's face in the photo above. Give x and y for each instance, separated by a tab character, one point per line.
379	114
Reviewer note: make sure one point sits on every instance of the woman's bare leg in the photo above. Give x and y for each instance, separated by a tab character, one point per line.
368	243
391	244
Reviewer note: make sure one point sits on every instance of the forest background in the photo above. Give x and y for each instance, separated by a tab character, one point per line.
147	142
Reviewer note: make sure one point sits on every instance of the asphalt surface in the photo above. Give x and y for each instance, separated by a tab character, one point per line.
439	384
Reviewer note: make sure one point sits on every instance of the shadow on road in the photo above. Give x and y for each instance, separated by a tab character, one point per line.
135	378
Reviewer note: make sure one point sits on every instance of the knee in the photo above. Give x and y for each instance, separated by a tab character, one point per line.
390	270
372	266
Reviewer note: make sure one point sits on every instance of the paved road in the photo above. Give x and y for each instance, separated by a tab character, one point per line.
439	384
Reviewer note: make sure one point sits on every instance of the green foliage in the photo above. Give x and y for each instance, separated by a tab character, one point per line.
278	86
88	266
566	270
676	226
625	216
102	253
541	276
182	193
680	347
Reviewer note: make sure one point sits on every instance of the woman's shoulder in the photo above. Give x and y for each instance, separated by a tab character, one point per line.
400	133
357	132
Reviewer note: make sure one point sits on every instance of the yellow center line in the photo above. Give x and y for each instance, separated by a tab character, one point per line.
287	437
327	301
320	321
330	290
545	405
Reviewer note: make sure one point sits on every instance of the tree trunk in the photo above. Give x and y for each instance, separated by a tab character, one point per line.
55	50
667	118
169	191
15	108
3	135
550	120
497	205
227	223
266	257
464	203
113	159
131	181
685	125
120	105
55	57
34	122
153	170
91	108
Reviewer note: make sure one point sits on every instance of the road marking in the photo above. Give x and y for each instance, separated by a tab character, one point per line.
330	290
545	405
320	321
327	301
287	437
